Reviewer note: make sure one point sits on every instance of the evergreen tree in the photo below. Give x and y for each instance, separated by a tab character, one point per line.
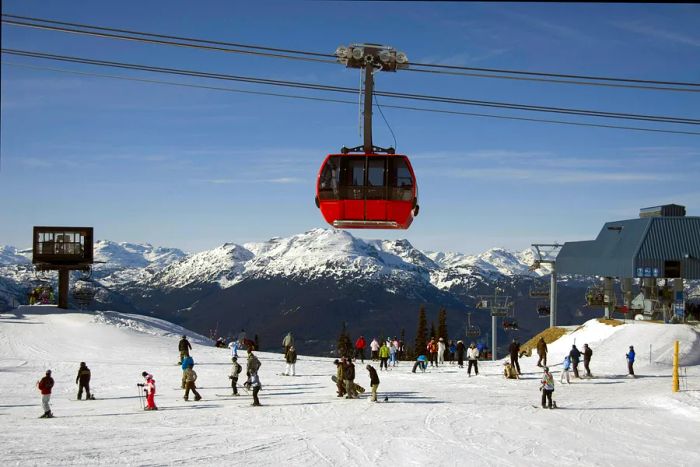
257	343
421	338
402	345
344	342
442	324
432	331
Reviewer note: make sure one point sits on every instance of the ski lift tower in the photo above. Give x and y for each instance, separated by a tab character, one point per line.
500	306
546	254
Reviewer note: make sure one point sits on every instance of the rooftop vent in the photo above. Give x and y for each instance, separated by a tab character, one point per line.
667	210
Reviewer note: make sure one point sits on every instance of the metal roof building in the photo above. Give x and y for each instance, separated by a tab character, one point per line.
655	245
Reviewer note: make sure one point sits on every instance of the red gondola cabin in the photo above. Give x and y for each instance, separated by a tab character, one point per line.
367	191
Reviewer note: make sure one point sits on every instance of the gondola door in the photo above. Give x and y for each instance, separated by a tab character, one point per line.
376	189
352	173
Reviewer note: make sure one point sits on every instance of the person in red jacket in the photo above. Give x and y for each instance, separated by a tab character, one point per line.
360	348
150	389
45	385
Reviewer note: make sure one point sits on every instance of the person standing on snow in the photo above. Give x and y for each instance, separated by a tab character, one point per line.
473	357
587	354
542	352
565	370
441	351
360	348
291	359
233	345
349	379
254	382
432	351
83	381
339	376
374	347
252	364
392	354
575	356
630	360
514	350
190	378
383	356
547	388
288	341
45	385
373	382
459	351
150	390
235	371
186	363
184	348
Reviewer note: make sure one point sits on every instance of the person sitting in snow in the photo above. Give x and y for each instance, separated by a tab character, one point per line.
421	362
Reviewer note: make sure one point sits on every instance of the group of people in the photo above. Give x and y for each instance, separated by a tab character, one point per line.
345	379
42	295
387	353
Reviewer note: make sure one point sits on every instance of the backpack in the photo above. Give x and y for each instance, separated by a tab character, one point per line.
238	368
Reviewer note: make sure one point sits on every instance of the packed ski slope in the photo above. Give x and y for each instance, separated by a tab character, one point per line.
441	417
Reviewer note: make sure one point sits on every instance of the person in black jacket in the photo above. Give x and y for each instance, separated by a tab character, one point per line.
587	354
184	347
373	381
514	350
459	350
349	379
575	356
83	381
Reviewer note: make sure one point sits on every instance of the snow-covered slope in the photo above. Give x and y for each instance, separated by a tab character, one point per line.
440	417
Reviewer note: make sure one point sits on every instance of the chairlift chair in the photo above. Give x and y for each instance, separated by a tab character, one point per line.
539	290
510	324
543	310
472	329
595	296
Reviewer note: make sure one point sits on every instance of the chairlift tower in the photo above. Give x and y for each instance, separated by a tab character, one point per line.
499	306
546	254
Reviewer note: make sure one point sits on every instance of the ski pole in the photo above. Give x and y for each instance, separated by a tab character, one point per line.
141	402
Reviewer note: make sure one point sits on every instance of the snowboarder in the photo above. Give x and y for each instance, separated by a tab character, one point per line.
383	356
150	390
349	379
565	370
374	347
233	345
421	362
542	352
291	358
45	384
186	363
459	350
630	360
509	371
373	381
184	347
83	381
547	388
235	371
514	350
441	351
360	348
587	354
575	355
339	372
288	341
190	377
252	364
473	356
254	382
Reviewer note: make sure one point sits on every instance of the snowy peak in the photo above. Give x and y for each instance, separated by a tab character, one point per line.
133	255
10	255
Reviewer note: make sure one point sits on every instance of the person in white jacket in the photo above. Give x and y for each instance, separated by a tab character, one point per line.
374	346
473	358
441	351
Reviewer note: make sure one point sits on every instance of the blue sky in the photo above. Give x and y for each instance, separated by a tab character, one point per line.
194	168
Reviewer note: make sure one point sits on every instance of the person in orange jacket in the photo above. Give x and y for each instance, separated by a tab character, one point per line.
360	348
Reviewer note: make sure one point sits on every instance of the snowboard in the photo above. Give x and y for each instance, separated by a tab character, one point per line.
554	406
356	386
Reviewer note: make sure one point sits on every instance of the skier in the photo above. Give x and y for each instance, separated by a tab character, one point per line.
252	363
514	350
190	377
542	352
432	350
547	388
374	347
339	372
509	371
473	356
184	347
383	356
186	363
630	361
235	371
459	350
422	362
565	370
45	384
349	379
587	354
441	351
83	381
288	341
575	355
233	345
360	348
150	390
392	354
254	382
373	381
291	358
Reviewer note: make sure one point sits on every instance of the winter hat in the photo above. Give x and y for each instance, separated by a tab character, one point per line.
48	372
144	374
546	368
234	359
336	361
184	336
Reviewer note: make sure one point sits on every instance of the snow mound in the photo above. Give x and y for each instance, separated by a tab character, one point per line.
148	325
